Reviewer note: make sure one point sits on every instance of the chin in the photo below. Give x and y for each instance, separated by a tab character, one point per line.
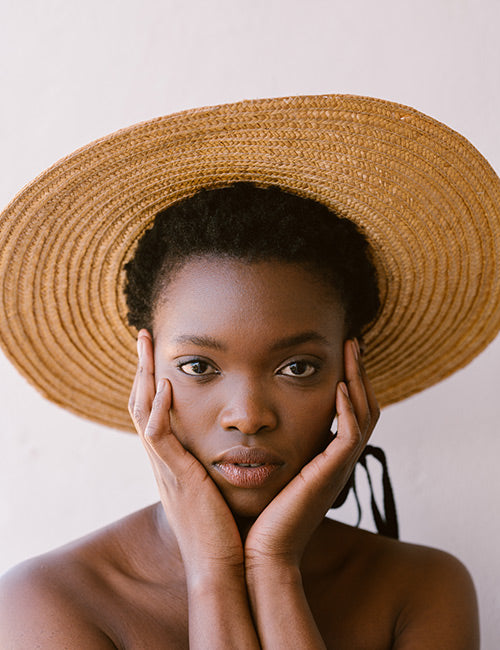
248	505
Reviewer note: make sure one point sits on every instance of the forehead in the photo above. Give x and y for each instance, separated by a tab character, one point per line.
224	296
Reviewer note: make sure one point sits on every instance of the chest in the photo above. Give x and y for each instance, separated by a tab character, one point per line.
146	617
351	612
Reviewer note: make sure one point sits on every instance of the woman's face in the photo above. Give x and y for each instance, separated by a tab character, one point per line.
254	352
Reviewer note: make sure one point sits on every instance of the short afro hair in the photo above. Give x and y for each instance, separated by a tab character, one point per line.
251	223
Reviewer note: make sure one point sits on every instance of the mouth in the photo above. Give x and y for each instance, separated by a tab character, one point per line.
247	467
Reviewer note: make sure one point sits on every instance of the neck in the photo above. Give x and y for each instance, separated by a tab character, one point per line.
167	535
318	549
244	524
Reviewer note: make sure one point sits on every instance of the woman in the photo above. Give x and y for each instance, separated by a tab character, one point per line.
249	304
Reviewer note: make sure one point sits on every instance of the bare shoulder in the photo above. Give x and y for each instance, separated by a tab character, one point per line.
39	607
425	594
440	608
85	594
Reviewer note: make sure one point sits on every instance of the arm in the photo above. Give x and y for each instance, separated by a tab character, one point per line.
207	535
219	614
276	542
440	609
282	613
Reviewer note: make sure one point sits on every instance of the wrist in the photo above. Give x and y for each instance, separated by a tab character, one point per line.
212	576
265	570
273	561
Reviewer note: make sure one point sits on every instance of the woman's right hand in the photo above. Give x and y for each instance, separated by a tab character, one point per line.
203	524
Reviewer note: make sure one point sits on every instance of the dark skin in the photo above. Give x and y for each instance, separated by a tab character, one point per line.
244	356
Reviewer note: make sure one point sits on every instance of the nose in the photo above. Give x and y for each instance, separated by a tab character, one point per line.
248	409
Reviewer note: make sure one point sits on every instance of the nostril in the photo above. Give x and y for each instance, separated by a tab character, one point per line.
248	422
248	408
248	428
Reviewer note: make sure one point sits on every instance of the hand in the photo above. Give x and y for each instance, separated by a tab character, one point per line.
205	529
283	529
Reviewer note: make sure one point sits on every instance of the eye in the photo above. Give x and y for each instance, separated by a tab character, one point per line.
299	369
197	368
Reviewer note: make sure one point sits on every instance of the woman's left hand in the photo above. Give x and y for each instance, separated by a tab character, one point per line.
282	531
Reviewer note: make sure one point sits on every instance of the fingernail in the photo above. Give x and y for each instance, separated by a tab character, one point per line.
161	385
140	346
343	388
355	348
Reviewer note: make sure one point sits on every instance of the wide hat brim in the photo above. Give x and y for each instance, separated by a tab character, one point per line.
428	202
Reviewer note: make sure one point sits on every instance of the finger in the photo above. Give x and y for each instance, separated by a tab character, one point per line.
133	390
349	434
347	445
159	436
158	424
341	454
331	468
356	386
145	385
370	396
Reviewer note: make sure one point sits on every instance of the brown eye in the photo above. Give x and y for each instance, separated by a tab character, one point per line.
196	367
299	369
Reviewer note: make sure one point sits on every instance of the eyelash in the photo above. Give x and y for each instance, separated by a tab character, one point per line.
310	364
181	365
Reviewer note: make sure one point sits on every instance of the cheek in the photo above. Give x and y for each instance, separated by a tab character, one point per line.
190	411
309	421
305	416
191	416
318	410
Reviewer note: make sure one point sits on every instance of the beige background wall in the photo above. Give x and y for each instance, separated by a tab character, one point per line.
72	71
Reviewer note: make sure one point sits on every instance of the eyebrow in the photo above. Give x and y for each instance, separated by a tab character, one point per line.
309	336
297	339
201	341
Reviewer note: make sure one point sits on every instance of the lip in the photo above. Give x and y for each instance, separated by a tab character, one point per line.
233	465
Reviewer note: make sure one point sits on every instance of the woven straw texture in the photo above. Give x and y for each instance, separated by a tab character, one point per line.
426	199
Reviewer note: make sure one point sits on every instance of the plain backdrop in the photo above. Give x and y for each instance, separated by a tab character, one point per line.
73	71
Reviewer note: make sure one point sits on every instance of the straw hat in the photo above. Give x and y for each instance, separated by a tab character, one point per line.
428	202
